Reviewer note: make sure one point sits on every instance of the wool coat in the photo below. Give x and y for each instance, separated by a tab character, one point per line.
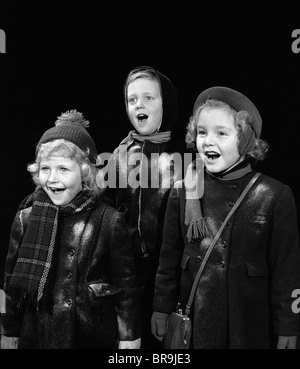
92	298
144	205
243	299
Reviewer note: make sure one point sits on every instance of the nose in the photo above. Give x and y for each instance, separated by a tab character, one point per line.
209	140
52	176
140	104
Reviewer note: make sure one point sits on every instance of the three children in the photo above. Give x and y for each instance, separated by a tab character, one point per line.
70	275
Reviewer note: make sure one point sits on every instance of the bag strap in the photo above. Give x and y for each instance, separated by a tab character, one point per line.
209	250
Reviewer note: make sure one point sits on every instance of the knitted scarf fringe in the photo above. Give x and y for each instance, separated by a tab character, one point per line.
197	230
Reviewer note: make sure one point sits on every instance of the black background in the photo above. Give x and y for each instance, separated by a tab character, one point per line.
77	56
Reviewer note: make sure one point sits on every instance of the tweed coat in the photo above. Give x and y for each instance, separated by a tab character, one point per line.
92	300
244	295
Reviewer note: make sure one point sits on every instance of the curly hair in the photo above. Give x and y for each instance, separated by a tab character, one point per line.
68	149
242	121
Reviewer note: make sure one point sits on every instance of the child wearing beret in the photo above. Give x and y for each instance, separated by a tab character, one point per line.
69	273
245	295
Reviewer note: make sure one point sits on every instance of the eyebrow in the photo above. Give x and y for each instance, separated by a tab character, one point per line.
217	127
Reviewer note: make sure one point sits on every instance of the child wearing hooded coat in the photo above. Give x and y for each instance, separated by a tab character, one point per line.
69	273
145	174
245	295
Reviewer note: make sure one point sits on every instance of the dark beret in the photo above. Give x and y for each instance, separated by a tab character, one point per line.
233	98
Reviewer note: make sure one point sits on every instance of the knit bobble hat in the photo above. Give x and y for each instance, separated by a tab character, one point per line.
71	126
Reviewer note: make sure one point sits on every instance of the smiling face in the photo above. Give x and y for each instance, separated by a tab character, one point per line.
217	139
60	177
144	105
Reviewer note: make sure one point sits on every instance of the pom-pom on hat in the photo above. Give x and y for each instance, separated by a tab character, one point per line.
236	100
71	126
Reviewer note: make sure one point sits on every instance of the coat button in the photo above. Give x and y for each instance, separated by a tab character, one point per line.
222	264
72	252
235	186
198	259
231	203
224	244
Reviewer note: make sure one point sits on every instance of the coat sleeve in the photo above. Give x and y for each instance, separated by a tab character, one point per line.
166	292
284	257
11	320
124	276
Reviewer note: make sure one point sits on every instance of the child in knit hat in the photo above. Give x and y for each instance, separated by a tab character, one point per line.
69	273
144	174
245	295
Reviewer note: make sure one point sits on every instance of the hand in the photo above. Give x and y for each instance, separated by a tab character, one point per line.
286	342
159	325
9	343
2	302
136	344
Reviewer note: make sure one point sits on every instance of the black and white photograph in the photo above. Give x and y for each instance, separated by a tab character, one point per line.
150	178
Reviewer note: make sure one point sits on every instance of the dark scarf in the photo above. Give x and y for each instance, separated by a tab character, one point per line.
159	137
194	184
31	272
237	171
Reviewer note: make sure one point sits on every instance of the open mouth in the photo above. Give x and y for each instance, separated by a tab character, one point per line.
142	118
56	190
212	155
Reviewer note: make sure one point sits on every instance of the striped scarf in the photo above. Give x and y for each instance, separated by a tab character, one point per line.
31	272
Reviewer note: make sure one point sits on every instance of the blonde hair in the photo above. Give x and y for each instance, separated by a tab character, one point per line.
69	150
242	120
142	72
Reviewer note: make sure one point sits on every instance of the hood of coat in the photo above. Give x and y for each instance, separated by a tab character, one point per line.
169	97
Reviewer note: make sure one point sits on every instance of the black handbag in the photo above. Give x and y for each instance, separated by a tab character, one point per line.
179	331
179	325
